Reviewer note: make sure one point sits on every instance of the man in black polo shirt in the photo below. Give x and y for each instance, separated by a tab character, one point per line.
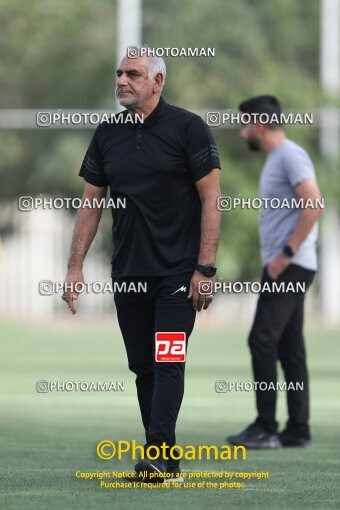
167	170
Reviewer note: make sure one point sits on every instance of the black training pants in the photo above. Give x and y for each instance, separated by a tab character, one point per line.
160	385
277	334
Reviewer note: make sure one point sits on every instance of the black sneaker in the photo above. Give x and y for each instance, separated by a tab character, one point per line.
175	471
152	470
256	438
289	439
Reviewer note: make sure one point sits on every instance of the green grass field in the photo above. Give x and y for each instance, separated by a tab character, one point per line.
45	438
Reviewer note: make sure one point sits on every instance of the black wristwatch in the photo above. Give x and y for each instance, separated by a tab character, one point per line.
207	270
288	250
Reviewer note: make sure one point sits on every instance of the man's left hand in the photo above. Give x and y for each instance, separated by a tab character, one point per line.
276	266
200	301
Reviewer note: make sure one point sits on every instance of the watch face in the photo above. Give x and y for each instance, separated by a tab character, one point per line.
210	271
288	251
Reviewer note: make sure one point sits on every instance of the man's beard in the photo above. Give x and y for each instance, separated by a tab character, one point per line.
253	145
127	102
131	101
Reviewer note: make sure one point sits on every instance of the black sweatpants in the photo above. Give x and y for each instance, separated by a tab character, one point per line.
160	385
277	334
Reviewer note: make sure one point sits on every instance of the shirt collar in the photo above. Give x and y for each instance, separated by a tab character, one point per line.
152	118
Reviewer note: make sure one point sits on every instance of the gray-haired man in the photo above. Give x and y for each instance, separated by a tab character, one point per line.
167	170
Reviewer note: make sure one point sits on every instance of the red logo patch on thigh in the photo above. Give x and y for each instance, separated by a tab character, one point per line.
170	346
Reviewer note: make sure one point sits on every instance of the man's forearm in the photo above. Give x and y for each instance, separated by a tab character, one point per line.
85	229
305	223
210	231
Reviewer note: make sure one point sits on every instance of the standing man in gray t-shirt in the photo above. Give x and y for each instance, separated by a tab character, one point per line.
290	209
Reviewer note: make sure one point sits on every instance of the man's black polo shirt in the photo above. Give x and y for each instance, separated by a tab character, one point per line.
154	166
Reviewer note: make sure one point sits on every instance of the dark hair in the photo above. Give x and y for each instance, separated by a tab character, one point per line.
263	104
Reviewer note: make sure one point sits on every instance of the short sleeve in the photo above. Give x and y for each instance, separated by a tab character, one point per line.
298	167
201	150
91	169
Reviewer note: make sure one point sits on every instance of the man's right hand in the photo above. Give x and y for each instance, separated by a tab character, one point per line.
73	277
87	221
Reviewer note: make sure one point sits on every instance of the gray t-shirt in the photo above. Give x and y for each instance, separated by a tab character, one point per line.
285	167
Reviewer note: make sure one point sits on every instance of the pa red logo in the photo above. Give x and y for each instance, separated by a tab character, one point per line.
170	346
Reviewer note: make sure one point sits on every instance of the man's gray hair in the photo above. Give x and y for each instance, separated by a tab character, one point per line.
156	65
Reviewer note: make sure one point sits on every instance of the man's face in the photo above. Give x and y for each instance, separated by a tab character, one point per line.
133	86
250	135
